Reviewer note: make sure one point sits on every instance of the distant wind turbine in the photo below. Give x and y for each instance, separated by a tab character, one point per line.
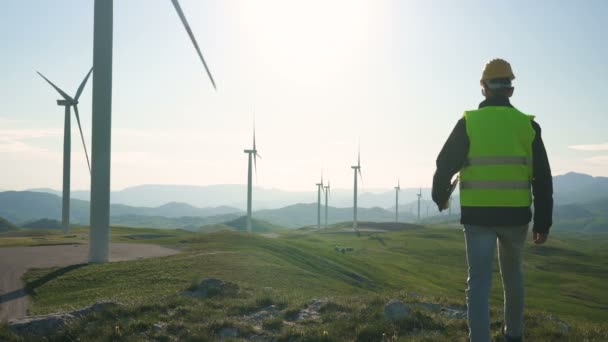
450	207
68	102
357	170
419	196
99	247
320	188
327	189
397	189
252	154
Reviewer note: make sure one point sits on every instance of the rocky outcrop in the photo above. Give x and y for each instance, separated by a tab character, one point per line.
45	325
396	310
211	287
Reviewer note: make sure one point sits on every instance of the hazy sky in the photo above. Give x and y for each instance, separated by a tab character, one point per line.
320	77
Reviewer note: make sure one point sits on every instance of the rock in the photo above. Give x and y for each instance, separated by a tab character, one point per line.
434	307
454	314
266	313
158	327
229	332
40	325
396	310
97	307
211	287
45	325
563	327
311	311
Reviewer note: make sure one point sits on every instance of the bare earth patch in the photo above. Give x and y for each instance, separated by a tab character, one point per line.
15	261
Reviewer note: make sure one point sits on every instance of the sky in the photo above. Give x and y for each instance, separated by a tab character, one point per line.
321	79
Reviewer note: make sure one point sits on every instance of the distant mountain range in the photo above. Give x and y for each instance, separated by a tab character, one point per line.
235	196
581	204
25	206
569	188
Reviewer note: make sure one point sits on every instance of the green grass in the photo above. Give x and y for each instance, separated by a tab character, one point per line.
565	278
80	235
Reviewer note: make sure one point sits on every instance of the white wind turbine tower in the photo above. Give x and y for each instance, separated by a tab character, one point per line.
252	154
102	119
320	188
419	196
68	102
397	189
327	189
357	170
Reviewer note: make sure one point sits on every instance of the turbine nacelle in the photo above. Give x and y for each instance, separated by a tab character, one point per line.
67	103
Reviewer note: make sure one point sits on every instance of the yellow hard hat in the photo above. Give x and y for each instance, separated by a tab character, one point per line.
497	68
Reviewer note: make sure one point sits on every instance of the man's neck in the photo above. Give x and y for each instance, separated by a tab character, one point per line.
500	101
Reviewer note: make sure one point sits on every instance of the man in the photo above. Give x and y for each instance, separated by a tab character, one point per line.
503	168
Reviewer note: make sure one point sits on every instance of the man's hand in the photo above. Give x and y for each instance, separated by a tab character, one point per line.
444	206
539	238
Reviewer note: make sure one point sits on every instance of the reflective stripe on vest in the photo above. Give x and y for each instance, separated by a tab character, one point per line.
497	185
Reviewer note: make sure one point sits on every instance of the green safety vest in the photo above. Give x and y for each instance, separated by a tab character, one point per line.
498	170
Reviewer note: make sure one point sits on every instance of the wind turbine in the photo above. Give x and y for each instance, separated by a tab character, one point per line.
68	102
326	201
450	207
252	154
102	119
320	189
397	189
357	169
419	196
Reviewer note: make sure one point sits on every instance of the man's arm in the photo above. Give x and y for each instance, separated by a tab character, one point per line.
450	160
542	185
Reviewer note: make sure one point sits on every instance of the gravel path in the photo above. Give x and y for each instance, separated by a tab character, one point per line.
15	261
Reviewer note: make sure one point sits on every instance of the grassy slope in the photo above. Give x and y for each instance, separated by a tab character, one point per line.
80	235
565	277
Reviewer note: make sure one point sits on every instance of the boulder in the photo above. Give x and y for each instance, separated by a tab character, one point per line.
311	311
396	310
211	287
229	332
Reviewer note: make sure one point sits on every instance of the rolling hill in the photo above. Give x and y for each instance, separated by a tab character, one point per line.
24	206
276	279
6	225
299	215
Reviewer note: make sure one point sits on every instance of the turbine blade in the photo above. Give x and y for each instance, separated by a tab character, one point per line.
255	164
82	137
182	17
82	85
254	146
61	92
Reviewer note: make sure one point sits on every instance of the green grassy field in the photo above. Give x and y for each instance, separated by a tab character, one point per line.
80	235
565	278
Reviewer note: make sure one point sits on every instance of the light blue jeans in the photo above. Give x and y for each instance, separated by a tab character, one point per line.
480	245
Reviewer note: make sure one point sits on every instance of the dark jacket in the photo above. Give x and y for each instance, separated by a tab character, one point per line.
452	158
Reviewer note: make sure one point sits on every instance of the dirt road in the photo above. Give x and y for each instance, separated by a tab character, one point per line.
15	261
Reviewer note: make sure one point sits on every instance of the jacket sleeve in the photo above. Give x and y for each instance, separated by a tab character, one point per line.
450	160
542	184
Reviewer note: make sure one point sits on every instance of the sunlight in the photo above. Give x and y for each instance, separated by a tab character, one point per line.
302	40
